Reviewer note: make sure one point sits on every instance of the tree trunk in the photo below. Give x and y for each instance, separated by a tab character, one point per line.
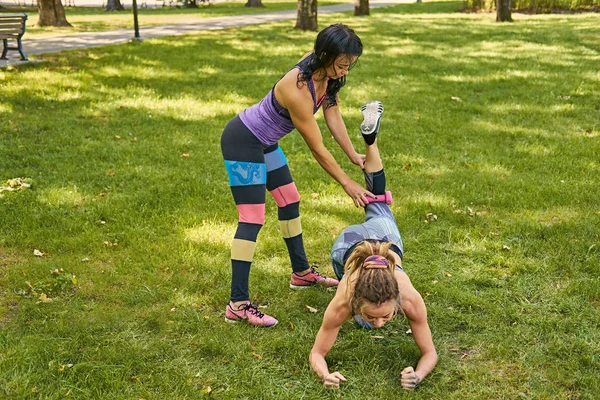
361	7
114	5
52	13
254	3
503	11
307	15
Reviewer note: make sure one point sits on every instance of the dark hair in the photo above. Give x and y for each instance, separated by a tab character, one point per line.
375	284
331	42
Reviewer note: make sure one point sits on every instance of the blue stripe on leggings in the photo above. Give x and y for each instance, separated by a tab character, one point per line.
246	173
275	159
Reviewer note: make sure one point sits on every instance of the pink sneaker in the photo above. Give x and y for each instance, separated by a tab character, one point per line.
249	312
311	279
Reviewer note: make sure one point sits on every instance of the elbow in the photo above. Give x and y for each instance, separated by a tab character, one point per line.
434	358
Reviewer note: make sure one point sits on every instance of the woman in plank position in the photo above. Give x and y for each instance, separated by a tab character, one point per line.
373	288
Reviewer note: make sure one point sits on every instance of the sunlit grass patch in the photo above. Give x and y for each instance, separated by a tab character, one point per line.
213	232
57	197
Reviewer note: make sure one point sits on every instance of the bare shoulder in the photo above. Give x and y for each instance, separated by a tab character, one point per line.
288	91
338	311
413	305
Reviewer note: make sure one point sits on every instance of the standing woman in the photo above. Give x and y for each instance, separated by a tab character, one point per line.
255	162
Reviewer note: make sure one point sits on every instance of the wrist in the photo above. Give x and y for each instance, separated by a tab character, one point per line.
418	379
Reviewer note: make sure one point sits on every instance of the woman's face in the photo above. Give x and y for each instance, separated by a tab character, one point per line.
340	66
378	315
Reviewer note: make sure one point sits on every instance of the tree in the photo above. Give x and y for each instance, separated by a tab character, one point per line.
114	5
503	11
254	3
361	7
52	13
307	15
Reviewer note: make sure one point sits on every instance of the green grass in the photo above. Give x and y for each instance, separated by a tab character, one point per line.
509	270
95	19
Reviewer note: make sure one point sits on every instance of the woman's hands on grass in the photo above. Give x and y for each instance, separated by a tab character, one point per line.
410	379
333	380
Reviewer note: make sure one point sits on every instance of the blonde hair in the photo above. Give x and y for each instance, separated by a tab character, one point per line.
372	281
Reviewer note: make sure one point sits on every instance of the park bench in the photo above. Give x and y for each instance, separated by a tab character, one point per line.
12	27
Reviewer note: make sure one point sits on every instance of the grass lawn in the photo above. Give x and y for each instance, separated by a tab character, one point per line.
491	141
94	19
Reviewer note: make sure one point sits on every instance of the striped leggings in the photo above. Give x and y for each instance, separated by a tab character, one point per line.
253	168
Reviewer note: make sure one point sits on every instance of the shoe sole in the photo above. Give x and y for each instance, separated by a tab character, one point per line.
292	286
372	112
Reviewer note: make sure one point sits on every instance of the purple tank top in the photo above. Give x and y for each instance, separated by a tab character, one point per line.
269	121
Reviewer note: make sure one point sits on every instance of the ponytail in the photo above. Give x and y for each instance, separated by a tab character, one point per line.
371	277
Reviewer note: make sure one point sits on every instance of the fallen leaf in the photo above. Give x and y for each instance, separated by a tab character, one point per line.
85	259
378	337
315	195
409	331
206	390
68	393
173	309
117	137
456	98
65	366
44	298
185	155
37	253
431	217
435	281
16	184
506	248
311	309
448	274
257	355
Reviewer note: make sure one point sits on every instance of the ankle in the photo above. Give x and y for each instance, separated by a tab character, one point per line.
303	273
235	305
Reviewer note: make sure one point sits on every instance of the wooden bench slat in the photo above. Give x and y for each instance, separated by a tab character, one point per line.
12	27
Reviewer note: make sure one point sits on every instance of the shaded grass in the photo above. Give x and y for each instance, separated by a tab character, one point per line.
509	270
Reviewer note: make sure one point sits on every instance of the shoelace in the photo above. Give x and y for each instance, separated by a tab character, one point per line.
251	308
314	271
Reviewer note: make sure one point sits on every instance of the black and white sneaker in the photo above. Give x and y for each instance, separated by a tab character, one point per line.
372	112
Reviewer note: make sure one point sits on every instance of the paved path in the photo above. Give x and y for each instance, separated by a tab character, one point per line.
92	39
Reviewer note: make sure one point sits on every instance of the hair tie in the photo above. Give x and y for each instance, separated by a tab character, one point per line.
376	262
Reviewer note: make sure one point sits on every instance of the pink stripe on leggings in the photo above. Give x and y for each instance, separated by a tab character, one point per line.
252	213
286	194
